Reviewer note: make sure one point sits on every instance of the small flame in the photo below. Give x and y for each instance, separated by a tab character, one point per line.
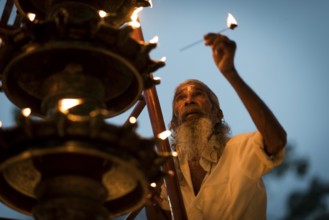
26	112
31	16
154	40
102	13
231	21
153	185
165	134
163	59
65	104
174	154
134	18
157	78
132	120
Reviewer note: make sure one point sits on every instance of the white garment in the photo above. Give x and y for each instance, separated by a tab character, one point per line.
233	186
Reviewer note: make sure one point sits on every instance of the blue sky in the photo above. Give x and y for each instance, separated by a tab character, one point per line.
282	54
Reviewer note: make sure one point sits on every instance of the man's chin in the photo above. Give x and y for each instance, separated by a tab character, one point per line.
192	117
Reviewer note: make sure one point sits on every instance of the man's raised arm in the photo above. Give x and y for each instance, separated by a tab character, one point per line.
223	51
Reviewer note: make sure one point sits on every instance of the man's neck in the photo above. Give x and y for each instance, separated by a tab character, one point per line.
197	174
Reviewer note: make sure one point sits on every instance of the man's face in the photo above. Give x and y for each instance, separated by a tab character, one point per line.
191	102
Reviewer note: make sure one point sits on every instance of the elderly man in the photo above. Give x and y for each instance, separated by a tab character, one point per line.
220	176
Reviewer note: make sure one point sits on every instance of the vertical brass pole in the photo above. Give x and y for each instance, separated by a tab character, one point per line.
158	126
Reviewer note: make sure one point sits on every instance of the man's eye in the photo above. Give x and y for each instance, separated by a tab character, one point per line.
178	98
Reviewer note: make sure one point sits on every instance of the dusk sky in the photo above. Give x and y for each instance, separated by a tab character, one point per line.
282	53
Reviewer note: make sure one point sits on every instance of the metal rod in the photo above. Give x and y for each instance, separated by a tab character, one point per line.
158	126
137	110
18	20
6	13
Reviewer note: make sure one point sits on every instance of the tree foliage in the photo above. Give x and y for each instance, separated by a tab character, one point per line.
307	204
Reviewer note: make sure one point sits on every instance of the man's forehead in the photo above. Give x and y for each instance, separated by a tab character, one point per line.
189	86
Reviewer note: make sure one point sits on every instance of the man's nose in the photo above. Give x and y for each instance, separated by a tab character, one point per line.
189	100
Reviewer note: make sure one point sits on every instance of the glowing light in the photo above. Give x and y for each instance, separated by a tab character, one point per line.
165	134
134	18
151	4
0	124
102	13
26	112
132	120
153	185
154	40
163	59
157	78
65	104
30	48
171	173
231	21
31	16
174	154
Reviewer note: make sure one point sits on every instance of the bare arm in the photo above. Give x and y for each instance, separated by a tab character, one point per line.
223	53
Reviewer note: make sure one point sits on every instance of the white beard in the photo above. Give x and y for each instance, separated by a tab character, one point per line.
192	138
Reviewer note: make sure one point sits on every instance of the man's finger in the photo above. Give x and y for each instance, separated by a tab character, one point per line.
209	38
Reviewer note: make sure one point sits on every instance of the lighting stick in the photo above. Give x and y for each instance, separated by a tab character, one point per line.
231	24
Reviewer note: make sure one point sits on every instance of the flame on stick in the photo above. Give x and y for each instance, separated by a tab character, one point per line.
231	22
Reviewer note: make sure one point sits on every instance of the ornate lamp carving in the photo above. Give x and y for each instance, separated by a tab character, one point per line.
71	164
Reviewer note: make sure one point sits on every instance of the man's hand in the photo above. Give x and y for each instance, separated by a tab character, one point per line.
153	198
223	51
153	207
